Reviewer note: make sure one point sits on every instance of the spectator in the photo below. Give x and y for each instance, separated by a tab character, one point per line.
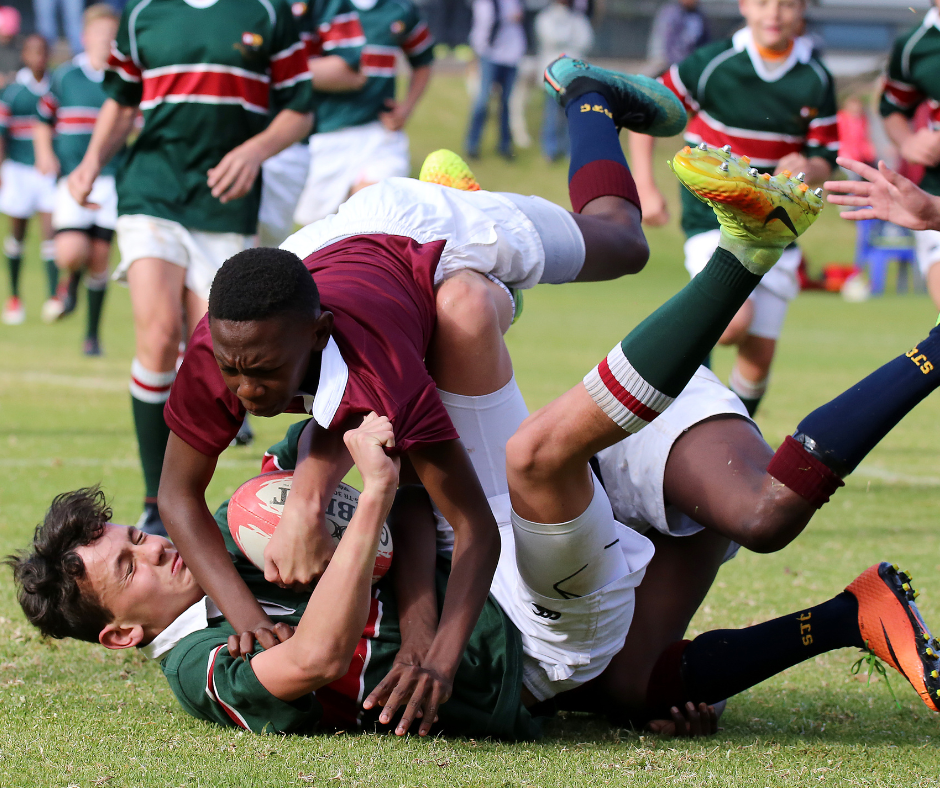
559	29
498	38
854	138
47	23
10	44
678	29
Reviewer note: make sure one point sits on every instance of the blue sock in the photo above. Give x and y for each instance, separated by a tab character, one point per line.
846	429
598	167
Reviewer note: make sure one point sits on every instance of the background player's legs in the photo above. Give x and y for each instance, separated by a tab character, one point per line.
13	312
96	283
157	288
47	251
933	284
751	372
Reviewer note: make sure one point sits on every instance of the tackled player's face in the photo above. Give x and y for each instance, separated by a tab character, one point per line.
773	23
264	362
141	579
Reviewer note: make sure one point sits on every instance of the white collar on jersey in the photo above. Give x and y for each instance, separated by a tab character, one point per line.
81	60
194	619
201	3
365	5
330	388
25	77
932	19
802	51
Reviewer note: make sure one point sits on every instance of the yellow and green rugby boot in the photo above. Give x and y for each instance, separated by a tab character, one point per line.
637	103
760	214
448	169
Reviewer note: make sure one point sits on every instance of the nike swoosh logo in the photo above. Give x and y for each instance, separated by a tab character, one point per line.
780	213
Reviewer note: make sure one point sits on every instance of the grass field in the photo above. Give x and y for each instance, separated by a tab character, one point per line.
73	714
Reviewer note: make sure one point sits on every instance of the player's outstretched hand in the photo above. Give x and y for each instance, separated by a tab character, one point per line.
689	722
427	689
884	194
234	176
242	645
80	182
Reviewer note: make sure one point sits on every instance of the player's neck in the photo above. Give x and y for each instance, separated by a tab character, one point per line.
776	56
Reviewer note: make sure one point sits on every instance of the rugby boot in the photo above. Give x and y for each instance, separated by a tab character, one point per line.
894	631
448	169
14	313
92	347
637	103
760	214
245	435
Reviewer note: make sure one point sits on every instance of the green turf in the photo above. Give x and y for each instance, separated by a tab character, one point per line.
74	714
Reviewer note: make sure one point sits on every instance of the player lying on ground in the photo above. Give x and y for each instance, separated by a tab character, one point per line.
89	579
385	338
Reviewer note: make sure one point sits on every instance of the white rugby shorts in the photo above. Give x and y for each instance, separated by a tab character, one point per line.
200	253
24	190
928	249
518	240
282	180
771	298
344	158
69	215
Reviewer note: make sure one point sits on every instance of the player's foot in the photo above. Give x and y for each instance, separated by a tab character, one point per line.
637	102
14	313
448	169
150	521
245	435
894	631
53	309
92	347
755	210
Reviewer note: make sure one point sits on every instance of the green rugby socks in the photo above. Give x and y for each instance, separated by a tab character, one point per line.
149	392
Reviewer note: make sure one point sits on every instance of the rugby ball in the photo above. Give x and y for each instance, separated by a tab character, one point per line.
256	507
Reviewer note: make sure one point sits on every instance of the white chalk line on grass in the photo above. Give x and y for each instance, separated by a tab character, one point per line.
892	477
66	381
91	462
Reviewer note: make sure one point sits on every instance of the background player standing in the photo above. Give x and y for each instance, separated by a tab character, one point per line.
912	78
360	138
24	191
68	113
205	98
766	93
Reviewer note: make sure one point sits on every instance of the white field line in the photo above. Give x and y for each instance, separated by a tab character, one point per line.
891	477
65	381
26	463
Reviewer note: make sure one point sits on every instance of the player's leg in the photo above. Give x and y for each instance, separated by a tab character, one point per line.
751	372
96	286
506	79
480	107
933	284
283	178
13	311
928	256
72	255
547	458
740	323
47	252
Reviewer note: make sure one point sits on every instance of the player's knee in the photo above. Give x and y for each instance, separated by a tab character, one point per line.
765	533
466	304
531	454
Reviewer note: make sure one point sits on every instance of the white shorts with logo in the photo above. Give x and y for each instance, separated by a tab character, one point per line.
928	249
341	159
200	253
69	215
518	240
24	190
771	298
282	180
633	470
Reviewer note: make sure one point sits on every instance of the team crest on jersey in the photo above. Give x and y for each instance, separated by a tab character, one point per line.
252	41
298	9
398	27
809	113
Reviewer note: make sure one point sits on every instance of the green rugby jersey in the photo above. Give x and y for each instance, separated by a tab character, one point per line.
913	77
71	107
369	37
733	99
212	686
205	78
18	115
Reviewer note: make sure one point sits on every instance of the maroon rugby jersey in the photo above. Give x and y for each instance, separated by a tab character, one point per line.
381	293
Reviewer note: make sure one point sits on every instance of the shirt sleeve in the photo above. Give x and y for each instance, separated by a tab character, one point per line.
201	410
123	79
423	420
682	79
212	685
822	137
4	115
417	42
340	33
900	94
282	456
290	74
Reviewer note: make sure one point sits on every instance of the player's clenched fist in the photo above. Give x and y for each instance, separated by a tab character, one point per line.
367	444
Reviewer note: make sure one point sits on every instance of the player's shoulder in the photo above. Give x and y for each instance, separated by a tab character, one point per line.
707	53
64	72
924	31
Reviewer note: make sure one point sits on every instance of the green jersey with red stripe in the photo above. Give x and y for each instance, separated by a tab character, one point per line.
734	98
913	78
71	107
18	103
213	686
202	94
369	36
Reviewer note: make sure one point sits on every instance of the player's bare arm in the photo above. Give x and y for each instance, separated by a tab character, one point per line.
328	633
114	124
815	169
234	176
397	114
301	547
332	74
413	573
655	209
182	501
920	147
447	474
46	161
884	194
